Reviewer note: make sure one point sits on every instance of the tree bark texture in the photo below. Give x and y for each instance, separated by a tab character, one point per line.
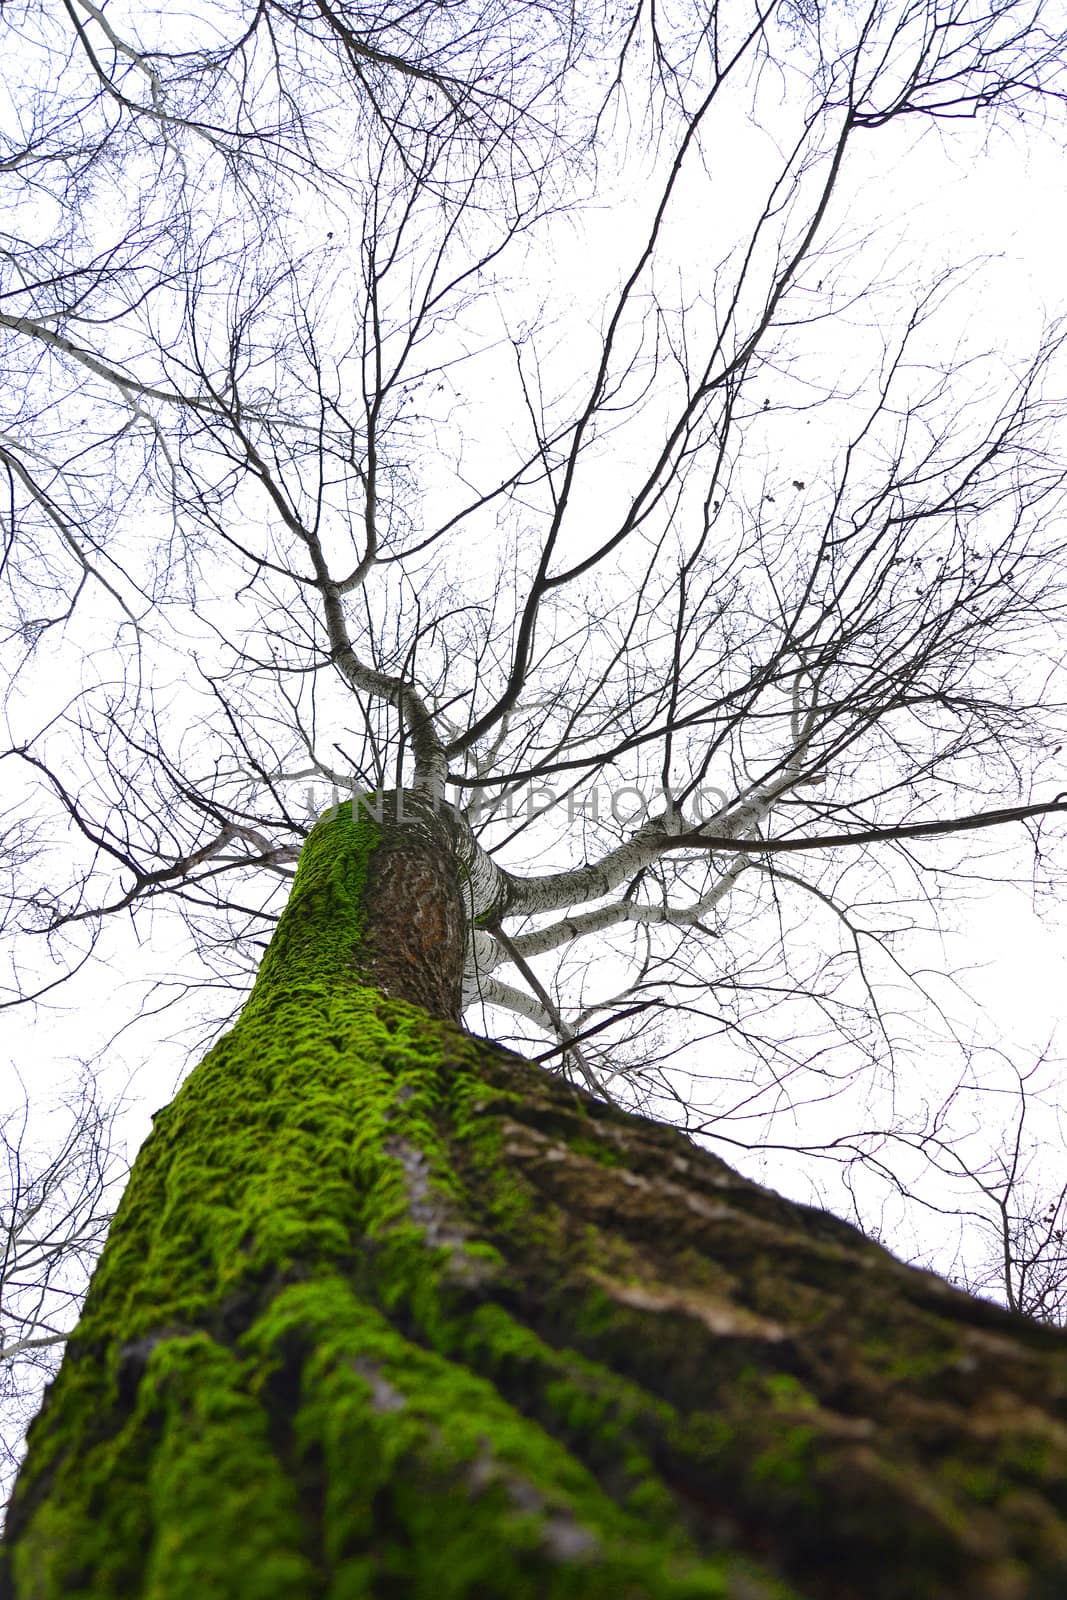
388	1312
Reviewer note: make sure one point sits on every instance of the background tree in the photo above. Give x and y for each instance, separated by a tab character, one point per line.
1017	1204
56	1207
325	439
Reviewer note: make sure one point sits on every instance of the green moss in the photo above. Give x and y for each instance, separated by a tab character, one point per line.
320	931
606	1155
901	1358
787	1462
241	1414
1031	1454
378	1418
980	1481
193	1464
786	1392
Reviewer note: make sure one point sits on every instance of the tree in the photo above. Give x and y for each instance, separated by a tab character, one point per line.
388	1310
769	605
1019	1201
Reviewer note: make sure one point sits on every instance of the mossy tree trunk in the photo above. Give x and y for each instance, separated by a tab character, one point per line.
389	1312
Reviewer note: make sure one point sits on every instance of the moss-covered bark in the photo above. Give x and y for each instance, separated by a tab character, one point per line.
388	1312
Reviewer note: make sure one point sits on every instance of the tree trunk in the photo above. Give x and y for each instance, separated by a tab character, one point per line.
389	1312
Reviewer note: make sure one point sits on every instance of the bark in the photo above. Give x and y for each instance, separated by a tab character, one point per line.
388	1312
412	936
